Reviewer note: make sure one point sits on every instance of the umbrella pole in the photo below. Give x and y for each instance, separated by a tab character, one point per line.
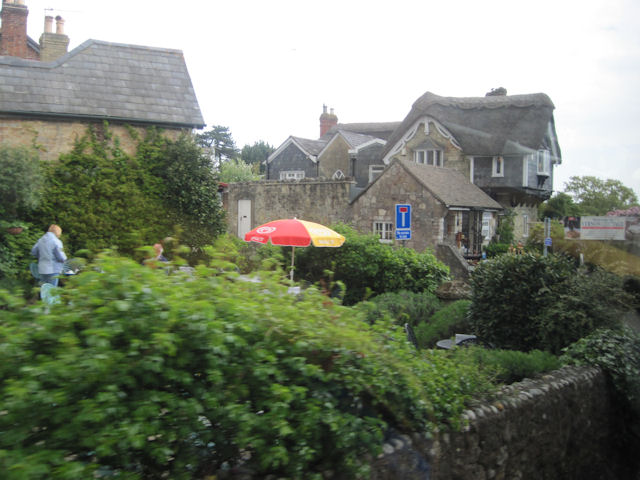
293	252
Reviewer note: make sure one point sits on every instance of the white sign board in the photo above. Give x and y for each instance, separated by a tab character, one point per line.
595	228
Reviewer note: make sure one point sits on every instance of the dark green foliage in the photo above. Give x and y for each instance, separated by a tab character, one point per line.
504	232
403	307
617	352
15	257
559	206
444	323
495	249
21	181
139	374
257	154
219	142
525	302
509	366
368	267
103	198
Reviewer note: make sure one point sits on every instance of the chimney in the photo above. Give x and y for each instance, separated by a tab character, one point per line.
327	120
497	92
13	38
53	45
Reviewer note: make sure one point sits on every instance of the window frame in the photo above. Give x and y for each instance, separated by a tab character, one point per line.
497	166
297	174
525	225
373	170
385	231
543	157
436	162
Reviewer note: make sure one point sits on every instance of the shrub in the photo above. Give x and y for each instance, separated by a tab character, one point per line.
495	249
15	257
617	352
403	307
21	182
139	374
509	366
369	268
445	323
525	302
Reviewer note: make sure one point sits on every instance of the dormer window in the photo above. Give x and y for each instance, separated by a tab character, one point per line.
498	167
543	158
428	153
428	157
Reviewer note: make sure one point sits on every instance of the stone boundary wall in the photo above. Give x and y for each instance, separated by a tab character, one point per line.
560	426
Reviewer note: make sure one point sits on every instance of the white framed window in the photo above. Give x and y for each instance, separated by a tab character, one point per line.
338	175
428	157
384	230
374	171
544	162
292	175
525	225
497	169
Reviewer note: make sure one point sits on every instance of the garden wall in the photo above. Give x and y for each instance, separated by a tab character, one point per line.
559	427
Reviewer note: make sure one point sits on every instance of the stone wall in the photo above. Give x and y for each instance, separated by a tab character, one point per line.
317	200
561	426
53	137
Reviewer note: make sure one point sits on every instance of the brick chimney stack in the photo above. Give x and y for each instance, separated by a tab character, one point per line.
13	34
327	120
53	45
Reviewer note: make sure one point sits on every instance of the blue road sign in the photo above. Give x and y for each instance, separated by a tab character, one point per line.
403	216
548	241
403	222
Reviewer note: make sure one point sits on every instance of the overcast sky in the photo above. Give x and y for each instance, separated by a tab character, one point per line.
264	68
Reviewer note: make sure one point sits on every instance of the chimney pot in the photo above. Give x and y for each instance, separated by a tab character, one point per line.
48	24
59	25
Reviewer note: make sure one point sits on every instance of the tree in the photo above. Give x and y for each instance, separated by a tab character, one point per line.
595	196
559	206
21	181
219	142
237	170
257	154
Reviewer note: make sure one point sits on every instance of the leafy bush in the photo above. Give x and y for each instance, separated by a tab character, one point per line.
525	302
617	352
15	257
21	181
104	198
445	323
495	249
139	374
509	366
403	307
369	268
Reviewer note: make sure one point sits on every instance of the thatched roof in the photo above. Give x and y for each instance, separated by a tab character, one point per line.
487	126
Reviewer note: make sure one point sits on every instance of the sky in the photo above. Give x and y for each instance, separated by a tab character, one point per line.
265	68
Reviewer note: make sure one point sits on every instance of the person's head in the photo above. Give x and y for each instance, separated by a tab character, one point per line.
56	230
158	249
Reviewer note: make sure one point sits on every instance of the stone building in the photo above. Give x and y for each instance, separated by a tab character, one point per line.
505	145
49	96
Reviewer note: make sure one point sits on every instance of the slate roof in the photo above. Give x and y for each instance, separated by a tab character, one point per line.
106	81
488	126
450	186
381	130
312	147
355	139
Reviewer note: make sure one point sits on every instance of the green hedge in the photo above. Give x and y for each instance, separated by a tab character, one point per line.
445	323
369	268
139	374
525	302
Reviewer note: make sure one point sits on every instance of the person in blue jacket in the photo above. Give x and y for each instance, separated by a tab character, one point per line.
50	254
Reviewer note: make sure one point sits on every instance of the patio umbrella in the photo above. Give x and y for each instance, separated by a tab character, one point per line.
292	232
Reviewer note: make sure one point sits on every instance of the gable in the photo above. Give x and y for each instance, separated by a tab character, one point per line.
103	81
496	125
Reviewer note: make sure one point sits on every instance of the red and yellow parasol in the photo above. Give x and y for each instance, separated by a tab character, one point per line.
292	232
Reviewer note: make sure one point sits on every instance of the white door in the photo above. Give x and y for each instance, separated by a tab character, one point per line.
244	217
